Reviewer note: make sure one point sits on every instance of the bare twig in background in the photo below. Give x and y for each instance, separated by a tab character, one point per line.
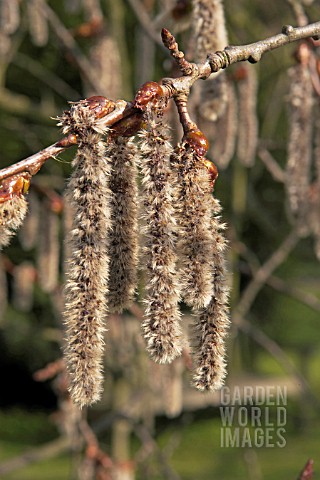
272	166
264	273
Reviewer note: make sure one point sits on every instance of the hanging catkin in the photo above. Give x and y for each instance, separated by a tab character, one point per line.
123	237
38	25
87	271
161	327
212	323
299	143
193	207
247	115
210	35
28	234
314	191
3	290
23	281
12	214
9	16
48	252
216	108
222	134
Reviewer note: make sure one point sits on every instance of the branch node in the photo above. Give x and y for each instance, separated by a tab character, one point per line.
218	60
255	57
287	30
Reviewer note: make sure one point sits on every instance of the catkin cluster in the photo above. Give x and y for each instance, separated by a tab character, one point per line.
182	254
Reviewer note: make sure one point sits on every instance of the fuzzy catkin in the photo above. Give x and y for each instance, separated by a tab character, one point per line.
87	269
209	27
123	236
212	323
224	135
160	327
210	35
193	209
299	144
12	214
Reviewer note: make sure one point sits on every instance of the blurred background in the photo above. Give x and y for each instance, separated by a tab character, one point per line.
263	126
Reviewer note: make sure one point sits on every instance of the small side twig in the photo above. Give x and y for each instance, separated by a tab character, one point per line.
170	43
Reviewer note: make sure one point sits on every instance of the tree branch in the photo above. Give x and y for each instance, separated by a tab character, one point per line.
173	87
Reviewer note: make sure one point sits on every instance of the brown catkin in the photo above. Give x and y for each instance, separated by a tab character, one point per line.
28	234
38	25
123	236
108	73
247	116
87	271
3	290
9	16
314	191
299	144
23	281
210	35
193	208
12	214
209	27
222	134
48	252
160	327
212	324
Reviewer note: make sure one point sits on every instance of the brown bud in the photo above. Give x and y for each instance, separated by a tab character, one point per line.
102	106
129	126
149	91
181	9
212	170
16	185
67	141
197	141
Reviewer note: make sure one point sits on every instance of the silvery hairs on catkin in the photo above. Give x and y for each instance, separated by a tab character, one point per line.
161	326
123	235
195	240
211	325
12	214
203	270
88	266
